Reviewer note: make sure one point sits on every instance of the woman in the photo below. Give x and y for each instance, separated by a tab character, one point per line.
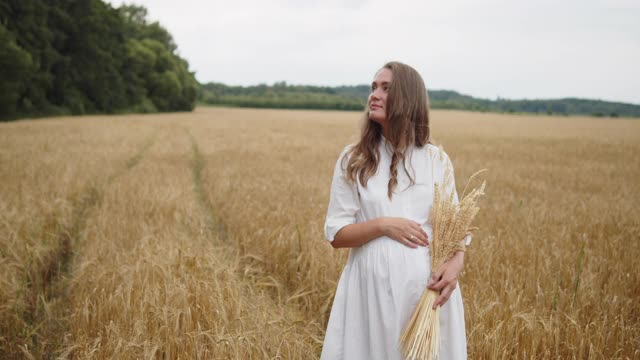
381	194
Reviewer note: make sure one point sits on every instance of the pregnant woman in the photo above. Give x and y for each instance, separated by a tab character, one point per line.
381	195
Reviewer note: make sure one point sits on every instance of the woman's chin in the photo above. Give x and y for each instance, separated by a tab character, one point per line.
377	119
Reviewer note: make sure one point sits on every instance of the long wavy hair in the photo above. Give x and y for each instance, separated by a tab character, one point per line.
408	122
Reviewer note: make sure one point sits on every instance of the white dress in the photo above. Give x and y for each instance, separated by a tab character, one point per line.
384	279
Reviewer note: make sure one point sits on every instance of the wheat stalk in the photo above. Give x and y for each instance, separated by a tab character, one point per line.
451	223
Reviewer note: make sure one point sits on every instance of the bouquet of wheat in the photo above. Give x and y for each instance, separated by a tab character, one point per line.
450	222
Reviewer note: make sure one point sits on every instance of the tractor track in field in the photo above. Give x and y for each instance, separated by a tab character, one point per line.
51	285
213	222
252	268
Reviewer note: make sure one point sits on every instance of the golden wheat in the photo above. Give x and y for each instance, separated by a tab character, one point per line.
200	234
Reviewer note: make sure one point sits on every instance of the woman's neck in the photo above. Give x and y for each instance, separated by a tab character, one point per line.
385	132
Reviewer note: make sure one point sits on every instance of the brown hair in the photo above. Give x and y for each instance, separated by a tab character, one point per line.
408	121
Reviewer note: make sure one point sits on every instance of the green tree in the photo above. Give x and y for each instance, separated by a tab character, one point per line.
15	66
70	56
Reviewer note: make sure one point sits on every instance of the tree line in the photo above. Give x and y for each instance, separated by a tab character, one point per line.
62	57
281	95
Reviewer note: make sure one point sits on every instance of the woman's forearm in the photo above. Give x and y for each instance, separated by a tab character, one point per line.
358	234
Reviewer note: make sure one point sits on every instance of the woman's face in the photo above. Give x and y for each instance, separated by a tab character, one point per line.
378	97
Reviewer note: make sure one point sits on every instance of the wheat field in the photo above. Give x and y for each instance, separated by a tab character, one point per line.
199	235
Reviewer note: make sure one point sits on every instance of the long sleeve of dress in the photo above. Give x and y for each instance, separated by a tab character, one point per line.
343	201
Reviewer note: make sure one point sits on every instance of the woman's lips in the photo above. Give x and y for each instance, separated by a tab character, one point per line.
375	107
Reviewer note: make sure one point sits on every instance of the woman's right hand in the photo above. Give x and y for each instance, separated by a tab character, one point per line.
405	231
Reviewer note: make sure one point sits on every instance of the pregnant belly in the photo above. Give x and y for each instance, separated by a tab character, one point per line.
388	260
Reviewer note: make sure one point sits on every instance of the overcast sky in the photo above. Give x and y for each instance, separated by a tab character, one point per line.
508	48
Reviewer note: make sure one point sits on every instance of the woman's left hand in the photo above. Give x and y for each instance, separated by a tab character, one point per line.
445	279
